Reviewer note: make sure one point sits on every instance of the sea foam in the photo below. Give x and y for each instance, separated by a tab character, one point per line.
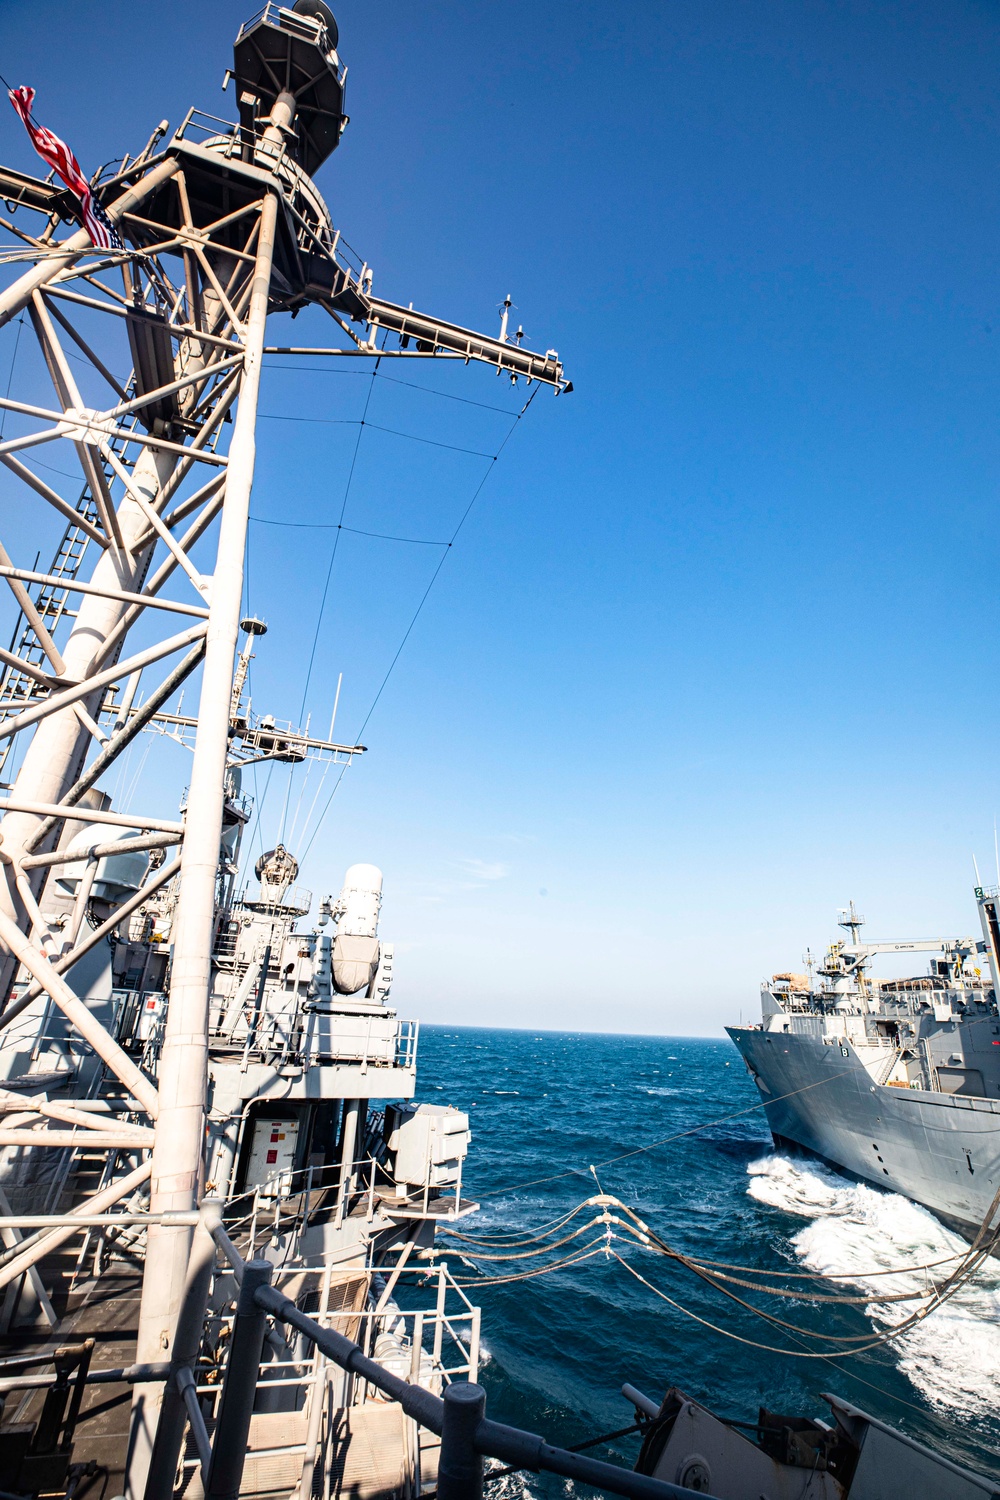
953	1355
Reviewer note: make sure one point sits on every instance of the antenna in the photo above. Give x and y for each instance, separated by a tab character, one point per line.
336	700
979	883
507	304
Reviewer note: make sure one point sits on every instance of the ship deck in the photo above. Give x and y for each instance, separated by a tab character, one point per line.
369	1452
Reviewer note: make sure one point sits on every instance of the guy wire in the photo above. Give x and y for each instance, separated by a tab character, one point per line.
665	1139
494	458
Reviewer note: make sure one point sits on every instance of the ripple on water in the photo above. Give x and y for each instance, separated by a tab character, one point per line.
855	1232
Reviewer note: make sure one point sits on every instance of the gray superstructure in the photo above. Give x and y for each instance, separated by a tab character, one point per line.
895	1080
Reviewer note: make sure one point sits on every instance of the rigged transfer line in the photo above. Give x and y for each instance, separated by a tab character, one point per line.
876	1342
638	1232
603	1246
663	1140
471	1242
471	1253
241	218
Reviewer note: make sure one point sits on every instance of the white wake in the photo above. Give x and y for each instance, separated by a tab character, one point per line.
953	1356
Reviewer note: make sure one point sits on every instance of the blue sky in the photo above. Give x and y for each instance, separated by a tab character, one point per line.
716	649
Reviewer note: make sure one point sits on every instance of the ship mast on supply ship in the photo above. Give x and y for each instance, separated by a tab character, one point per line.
152	351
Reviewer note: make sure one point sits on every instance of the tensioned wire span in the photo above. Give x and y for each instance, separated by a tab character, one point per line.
339	527
632	1228
718	1274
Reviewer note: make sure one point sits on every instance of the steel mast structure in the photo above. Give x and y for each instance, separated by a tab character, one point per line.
223	226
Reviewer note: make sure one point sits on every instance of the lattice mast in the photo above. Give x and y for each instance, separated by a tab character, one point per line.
223	226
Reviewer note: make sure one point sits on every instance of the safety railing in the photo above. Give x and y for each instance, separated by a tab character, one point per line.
282	1205
199	125
284	20
296	1026
415	1344
281	1209
457	1416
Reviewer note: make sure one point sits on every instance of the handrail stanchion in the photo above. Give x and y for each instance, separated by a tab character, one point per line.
239	1387
460	1466
442	1292
417	1347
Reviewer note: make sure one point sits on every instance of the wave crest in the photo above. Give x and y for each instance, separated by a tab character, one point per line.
854	1231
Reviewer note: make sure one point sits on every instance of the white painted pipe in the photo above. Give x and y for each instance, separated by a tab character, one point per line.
97	1140
72	1223
83	814
180	1135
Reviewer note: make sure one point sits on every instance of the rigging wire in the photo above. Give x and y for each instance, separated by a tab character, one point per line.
340	527
666	1139
380	536
933	1300
277	416
587	1252
517	1239
322	604
272	416
63	472
728	1332
433	442
503	1242
413	385
851	1344
505	411
10	373
637	1230
494	458
543	1244
861	1355
336	540
858	1346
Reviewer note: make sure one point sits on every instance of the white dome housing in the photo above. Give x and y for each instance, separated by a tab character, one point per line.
118	875
355	952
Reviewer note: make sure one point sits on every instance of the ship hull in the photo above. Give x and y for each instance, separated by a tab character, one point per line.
940	1150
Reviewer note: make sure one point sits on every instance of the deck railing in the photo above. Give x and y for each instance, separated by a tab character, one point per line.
283	1206
458	1416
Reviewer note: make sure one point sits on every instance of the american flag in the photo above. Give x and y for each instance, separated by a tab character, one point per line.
103	234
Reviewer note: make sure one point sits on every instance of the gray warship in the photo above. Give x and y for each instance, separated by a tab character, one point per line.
896	1081
203	1092
219	1198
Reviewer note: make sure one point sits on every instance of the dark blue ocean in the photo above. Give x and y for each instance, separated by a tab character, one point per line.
559	1346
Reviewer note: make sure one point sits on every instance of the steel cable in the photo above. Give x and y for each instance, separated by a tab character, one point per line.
666	1139
637	1230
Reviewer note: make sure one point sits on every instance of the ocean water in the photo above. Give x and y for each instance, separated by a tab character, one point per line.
546	1106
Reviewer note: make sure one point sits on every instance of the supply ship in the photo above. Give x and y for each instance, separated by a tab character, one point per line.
894	1080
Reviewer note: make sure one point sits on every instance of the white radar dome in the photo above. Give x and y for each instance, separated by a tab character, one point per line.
355	951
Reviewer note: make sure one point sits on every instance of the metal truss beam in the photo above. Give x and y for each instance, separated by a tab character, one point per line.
56	260
217	242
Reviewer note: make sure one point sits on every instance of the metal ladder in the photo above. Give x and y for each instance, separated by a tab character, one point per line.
50	602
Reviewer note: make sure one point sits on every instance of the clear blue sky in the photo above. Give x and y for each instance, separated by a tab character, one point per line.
717	647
